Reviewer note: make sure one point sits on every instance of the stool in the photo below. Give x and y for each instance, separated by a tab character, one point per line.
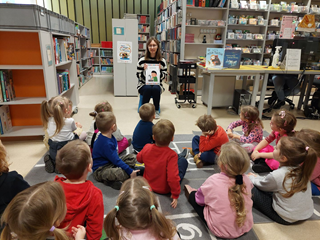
140	102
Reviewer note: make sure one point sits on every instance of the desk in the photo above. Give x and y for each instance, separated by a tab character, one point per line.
243	70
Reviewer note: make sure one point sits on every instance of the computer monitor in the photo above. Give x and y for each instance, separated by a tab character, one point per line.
310	50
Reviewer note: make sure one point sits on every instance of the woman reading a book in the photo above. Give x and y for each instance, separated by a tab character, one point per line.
152	56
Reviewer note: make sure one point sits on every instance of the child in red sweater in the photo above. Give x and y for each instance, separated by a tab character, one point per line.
206	147
84	200
164	168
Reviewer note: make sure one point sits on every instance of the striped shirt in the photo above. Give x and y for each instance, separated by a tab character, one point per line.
141	72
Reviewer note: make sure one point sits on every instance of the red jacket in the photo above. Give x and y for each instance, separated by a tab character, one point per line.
214	141
84	204
161	169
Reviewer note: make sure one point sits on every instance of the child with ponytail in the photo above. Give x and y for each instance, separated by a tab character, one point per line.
284	195
223	201
282	124
137	215
35	214
252	128
55	115
93	132
312	138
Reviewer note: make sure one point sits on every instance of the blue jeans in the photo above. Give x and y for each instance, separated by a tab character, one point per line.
182	166
151	90
208	156
291	81
315	189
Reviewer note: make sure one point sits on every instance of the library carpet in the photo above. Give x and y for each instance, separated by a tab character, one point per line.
186	219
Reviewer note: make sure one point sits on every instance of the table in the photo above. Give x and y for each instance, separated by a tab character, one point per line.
243	70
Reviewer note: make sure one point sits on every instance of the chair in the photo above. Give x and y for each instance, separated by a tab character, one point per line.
141	100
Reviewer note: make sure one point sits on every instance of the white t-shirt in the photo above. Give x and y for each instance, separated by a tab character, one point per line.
66	133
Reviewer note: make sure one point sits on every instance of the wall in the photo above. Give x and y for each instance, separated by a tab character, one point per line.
97	14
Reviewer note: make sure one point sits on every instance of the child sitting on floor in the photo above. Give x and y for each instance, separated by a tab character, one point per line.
108	167
142	134
84	200
93	132
137	215
206	147
164	168
252	128
282	124
312	138
36	212
284	195
223	202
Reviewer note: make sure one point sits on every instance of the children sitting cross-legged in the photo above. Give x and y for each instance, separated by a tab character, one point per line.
137	215
108	167
312	138
164	168
142	134
284	195
36	213
206	147
252	128
223	202
84	200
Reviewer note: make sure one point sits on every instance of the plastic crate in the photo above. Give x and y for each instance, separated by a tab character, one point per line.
106	44
70	27
63	24
54	21
23	16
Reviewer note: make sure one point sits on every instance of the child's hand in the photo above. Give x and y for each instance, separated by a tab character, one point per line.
174	203
78	232
145	66
199	154
78	125
255	155
252	174
236	136
134	173
230	135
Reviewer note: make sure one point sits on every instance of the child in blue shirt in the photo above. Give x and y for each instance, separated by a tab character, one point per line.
143	132
108	167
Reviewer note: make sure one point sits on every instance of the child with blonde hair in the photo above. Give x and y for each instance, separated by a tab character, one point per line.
11	183
252	128
282	124
36	212
93	132
284	195
55	115
312	138
137	215
223	202
206	147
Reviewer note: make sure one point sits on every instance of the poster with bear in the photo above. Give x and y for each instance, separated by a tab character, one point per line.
153	74
214	57
124	52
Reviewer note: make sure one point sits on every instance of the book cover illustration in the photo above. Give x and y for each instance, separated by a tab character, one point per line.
214	57
5	118
153	74
232	58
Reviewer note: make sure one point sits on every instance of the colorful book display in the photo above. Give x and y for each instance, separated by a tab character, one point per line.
214	57
232	58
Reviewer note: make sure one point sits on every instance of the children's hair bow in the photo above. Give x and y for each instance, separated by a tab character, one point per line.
282	114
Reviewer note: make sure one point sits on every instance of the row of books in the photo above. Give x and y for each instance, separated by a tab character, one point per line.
142	46
81	80
5	119
173	58
171	22
7	92
167	3
143	19
78	66
106	52
189	38
106	61
172	9
206	3
171	34
88	44
77	43
143	29
172	46
96	69
143	37
107	69
220	57
78	55
63	79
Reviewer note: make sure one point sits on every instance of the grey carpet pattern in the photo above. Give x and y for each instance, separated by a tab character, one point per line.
187	221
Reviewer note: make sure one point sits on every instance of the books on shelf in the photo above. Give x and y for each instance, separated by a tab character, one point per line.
63	79
142	37
7	91
105	52
142	46
105	69
143	19
96	69
206	3
61	50
106	61
143	29
189	38
5	119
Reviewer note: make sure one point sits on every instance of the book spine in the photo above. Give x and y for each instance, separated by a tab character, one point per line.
1	130
1	98
3	86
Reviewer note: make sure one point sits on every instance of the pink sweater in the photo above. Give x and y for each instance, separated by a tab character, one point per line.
256	134
218	213
315	177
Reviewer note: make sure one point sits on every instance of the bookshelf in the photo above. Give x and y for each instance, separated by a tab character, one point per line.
102	61
83	54
34	75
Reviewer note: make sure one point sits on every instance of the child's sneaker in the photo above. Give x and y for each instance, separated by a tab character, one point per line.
184	153
198	162
192	153
157	115
48	164
129	142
